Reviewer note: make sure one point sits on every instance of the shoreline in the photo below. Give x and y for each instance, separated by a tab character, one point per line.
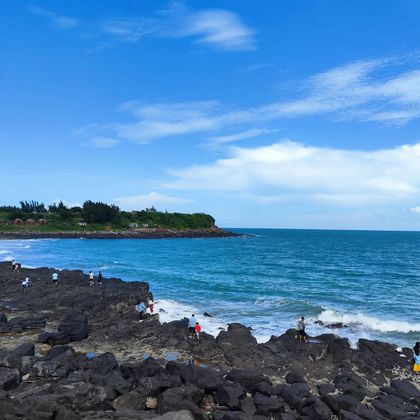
127	234
71	330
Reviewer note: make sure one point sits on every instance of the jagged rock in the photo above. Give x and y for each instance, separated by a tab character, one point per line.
230	415
149	386
393	407
293	394
325	389
405	388
207	315
132	400
315	409
203	378
9	378
49	368
20	324
295	378
347	415
176	415
230	395
247	406
74	327
269	406
148	367
3	318
181	398
251	380
25	349
349	403
84	396
58	351
43	407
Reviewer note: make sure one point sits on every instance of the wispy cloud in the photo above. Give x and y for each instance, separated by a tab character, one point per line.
217	141
291	170
148	200
60	21
416	210
356	91
217	28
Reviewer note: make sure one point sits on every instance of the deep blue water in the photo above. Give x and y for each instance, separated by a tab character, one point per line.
368	280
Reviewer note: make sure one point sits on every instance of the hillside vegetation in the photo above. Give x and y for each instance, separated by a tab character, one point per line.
33	216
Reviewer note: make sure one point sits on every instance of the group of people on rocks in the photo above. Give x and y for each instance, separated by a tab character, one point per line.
194	328
16	266
300	330
54	277
142	307
92	279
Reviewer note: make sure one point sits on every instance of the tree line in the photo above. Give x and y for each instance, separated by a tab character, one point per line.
92	212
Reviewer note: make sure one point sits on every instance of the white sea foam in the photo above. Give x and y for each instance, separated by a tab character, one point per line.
174	311
369	322
8	259
5	251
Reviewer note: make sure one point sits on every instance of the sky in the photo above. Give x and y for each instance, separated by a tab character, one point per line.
281	114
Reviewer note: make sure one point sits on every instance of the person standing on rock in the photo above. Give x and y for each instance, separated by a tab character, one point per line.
197	330
55	278
100	278
151	306
191	326
301	330
416	357
91	279
141	308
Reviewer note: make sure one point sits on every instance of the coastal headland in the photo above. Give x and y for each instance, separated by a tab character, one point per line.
147	233
74	351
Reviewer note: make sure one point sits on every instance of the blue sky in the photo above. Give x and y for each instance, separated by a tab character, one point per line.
297	114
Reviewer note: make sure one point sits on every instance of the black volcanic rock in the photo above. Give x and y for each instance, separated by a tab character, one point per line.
93	360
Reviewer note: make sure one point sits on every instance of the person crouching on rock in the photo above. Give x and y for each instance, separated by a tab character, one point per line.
197	330
301	330
55	278
25	284
141	308
191	326
416	357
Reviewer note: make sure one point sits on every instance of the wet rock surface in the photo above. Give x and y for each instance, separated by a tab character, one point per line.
81	353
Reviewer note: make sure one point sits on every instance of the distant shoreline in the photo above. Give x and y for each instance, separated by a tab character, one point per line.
126	234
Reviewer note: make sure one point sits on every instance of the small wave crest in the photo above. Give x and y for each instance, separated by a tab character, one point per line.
170	310
369	322
5	251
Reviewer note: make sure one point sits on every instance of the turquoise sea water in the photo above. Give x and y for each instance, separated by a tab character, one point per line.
367	280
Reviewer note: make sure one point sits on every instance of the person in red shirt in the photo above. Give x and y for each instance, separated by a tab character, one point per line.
197	330
151	306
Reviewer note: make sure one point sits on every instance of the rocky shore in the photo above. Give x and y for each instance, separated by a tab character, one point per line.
125	234
79	352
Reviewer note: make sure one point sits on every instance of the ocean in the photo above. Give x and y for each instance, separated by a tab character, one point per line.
367	280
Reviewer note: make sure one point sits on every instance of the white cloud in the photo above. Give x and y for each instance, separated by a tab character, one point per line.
354	91
216	141
293	171
137	202
219	28
416	209
60	21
